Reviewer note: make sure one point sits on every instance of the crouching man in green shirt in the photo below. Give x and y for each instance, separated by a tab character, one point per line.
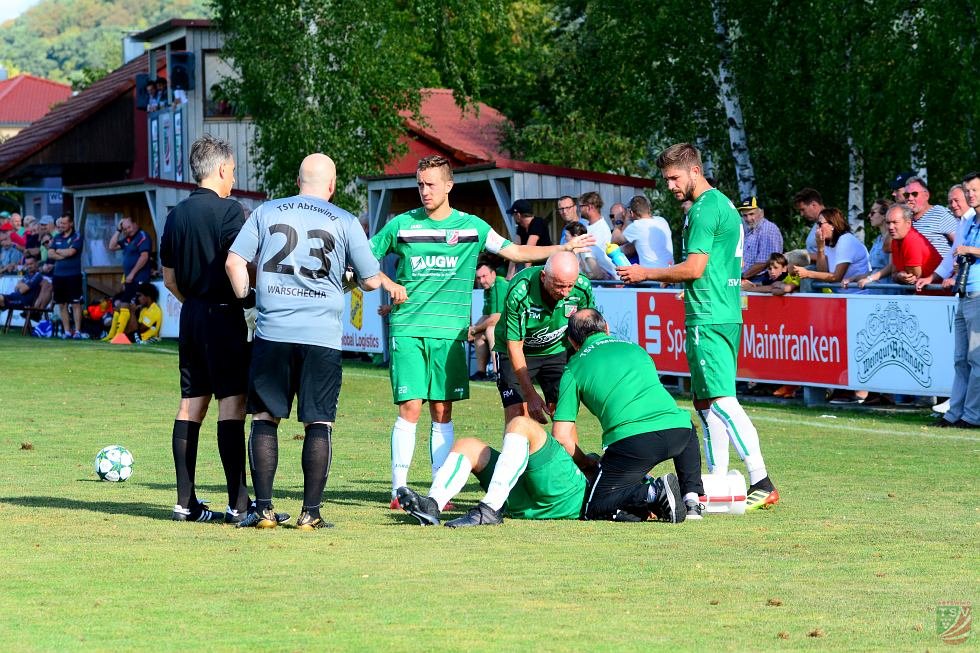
537	475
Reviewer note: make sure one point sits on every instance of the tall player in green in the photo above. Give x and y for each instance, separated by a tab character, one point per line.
711	272
438	248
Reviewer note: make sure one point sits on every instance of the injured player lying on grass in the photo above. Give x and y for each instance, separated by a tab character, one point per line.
532	477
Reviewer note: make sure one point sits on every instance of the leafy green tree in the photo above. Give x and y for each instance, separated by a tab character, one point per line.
831	91
336	76
61	39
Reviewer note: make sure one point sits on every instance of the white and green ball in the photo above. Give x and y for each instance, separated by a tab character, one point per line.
114	463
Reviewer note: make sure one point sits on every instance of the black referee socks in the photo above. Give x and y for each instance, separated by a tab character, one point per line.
184	444
231	450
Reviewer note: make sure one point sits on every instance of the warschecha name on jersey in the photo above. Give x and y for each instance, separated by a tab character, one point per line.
434	266
289	291
543	337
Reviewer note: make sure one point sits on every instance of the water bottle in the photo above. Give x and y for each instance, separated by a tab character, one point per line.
616	255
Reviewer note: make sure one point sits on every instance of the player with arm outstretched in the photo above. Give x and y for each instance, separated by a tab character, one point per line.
438	247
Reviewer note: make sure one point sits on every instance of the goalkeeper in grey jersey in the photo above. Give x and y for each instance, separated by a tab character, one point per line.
301	247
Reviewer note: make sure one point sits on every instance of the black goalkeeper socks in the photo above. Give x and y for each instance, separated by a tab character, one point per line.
263	459
317	454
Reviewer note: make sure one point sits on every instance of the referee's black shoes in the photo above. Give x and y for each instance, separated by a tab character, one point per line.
234	517
264	518
668	503
197	512
481	515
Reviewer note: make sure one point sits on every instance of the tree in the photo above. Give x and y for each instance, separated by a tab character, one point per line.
728	94
62	39
338	77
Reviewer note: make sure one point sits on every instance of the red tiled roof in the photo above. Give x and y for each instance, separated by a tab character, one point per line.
472	136
69	113
26	98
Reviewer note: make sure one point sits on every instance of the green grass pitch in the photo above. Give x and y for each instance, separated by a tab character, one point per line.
877	525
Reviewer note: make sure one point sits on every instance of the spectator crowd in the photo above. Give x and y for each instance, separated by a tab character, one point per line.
47	254
914	245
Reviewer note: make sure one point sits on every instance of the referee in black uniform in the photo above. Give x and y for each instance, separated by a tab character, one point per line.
214	352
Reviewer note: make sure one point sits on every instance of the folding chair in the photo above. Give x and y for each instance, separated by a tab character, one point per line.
40	310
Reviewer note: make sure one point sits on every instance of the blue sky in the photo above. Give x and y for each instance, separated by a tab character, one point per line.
13	8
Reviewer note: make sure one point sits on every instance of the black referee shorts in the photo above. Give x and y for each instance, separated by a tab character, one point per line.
546	370
213	353
622	483
283	370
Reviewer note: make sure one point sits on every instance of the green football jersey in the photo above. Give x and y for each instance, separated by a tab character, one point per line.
494	296
437	266
714	227
617	381
530	315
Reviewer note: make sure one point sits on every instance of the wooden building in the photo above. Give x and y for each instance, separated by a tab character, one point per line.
486	181
115	158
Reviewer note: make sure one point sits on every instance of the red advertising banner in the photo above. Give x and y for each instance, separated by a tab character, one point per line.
790	339
660	330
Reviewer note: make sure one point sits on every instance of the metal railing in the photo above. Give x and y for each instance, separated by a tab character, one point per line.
808	286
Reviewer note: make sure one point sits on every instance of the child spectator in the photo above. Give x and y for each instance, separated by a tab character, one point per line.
783	276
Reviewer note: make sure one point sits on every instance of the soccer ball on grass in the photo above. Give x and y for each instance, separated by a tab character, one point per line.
114	463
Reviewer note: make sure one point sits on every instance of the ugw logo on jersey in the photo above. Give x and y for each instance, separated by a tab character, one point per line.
434	264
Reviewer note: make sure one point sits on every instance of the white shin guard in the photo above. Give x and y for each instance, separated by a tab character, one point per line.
450	479
441	437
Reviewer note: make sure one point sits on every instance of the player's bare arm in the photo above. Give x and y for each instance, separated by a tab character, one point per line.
532	253
537	409
381	280
690	269
567	436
